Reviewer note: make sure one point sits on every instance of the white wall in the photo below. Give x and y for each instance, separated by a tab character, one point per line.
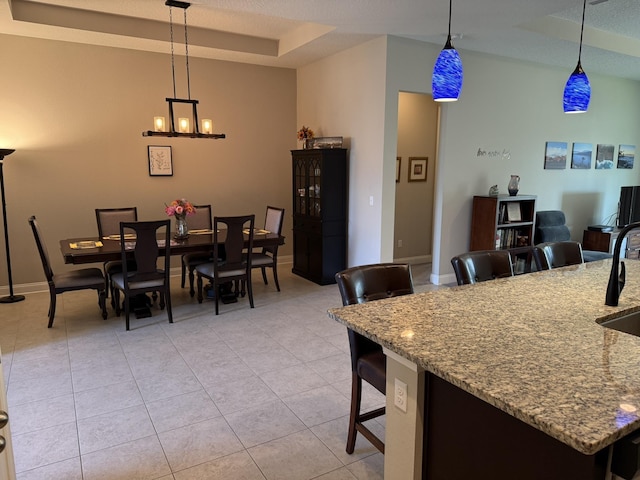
75	115
517	107
343	95
505	105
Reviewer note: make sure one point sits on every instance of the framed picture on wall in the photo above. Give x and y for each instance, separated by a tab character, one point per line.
160	161
398	162
604	157
626	155
581	155
418	169
555	156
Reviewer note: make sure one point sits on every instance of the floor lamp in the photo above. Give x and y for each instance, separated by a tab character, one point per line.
11	298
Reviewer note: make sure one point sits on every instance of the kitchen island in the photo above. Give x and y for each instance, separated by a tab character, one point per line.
518	369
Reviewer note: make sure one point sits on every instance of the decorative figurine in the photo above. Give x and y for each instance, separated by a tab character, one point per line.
493	191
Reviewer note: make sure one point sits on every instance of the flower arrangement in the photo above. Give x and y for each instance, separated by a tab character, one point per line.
305	132
180	208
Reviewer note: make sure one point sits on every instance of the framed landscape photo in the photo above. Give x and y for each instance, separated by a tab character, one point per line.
604	157
418	169
626	155
160	161
555	156
581	155
398	162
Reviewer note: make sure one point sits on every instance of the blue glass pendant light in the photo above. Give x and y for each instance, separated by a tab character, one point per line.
446	80
577	91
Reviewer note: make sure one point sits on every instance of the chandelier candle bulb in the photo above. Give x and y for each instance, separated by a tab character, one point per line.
183	125
207	125
158	124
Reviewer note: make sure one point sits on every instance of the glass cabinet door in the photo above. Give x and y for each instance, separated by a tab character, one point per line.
315	176
300	203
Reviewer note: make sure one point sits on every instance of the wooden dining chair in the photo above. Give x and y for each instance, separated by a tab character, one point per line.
108	220
146	277
359	285
230	263
200	221
80	279
268	257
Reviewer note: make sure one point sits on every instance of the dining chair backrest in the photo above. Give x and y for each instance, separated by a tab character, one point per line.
202	218
273	221
557	254
109	219
42	249
234	242
146	249
482	265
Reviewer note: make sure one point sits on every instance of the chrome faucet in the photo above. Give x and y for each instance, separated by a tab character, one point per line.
616	281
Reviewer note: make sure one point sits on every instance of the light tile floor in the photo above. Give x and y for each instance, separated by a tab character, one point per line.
257	393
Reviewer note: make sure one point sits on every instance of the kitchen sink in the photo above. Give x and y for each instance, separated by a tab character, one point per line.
629	323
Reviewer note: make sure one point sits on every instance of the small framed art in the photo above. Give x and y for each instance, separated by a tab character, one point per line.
398	162
160	161
555	156
581	155
418	169
604	156
626	155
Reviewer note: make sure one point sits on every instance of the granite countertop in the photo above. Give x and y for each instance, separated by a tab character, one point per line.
529	345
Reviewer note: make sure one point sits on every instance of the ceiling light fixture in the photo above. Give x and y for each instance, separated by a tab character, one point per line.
184	129
446	80
577	91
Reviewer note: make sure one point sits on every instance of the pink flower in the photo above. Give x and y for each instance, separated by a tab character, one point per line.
180	207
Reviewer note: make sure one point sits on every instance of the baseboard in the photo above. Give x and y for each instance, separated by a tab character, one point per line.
449	278
414	260
39	287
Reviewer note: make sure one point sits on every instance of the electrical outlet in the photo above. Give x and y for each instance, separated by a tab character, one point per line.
399	243
400	395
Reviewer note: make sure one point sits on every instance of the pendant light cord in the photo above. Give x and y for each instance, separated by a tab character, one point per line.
584	7
173	68
186	52
450	6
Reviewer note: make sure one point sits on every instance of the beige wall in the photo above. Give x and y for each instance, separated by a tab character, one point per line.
75	115
417	127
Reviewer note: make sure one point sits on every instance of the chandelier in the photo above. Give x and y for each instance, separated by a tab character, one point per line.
187	127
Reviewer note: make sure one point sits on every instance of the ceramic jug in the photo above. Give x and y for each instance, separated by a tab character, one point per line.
513	185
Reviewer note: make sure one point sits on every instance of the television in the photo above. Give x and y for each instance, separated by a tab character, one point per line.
629	206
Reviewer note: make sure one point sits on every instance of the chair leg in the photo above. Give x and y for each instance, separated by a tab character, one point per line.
275	276
167	296
102	301
115	299
192	292
126	311
249	290
162	300
52	307
216	290
183	276
356	396
200	289
264	275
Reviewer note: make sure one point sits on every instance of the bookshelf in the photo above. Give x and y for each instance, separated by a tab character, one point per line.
504	222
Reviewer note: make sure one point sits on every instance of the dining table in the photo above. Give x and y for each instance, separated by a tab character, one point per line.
83	250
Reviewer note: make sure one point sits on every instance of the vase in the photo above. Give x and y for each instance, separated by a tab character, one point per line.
514	185
306	143
182	230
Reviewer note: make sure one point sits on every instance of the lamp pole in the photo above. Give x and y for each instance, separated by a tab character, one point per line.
11	298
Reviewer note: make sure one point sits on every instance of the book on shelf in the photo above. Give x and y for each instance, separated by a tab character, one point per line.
514	214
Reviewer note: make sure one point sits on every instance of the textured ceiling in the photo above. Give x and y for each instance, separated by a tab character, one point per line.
291	33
